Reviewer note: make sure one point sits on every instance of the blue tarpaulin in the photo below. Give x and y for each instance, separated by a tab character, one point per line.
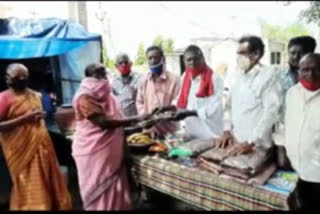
31	38
20	39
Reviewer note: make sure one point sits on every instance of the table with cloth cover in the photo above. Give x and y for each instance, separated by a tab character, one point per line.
206	190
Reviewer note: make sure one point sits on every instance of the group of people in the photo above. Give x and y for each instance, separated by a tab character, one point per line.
261	100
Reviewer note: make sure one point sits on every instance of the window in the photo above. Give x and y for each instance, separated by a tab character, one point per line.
275	58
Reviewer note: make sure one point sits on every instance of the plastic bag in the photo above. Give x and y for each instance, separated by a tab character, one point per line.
246	164
180	153
216	155
251	162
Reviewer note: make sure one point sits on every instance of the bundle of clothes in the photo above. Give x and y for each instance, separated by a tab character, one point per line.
255	167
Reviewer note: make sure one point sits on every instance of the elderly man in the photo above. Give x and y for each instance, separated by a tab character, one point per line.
302	131
38	183
297	48
201	92
158	89
125	85
255	99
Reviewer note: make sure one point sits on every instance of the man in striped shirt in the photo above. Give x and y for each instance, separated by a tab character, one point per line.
125	85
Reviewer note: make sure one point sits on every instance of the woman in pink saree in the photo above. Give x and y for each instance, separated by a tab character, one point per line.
99	142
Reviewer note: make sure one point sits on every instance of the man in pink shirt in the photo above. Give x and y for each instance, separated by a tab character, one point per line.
158	89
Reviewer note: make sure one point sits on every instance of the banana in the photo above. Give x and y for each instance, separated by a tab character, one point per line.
142	137
139	138
146	132
131	137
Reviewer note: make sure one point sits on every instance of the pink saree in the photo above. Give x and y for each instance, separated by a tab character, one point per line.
99	153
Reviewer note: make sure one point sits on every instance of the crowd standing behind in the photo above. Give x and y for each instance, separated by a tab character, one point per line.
264	109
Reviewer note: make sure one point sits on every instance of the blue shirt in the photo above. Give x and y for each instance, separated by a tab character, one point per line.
49	108
288	80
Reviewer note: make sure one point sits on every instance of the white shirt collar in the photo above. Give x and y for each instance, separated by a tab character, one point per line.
308	95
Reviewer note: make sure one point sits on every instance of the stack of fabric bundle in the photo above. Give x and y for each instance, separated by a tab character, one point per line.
253	168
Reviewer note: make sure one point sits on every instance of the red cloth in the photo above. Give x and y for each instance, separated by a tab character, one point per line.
311	86
206	86
125	69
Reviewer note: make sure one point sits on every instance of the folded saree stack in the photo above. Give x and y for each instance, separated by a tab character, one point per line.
253	168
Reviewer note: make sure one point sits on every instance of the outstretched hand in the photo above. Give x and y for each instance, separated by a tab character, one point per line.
164	109
182	114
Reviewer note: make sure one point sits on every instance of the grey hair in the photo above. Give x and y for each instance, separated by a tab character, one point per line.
15	66
119	55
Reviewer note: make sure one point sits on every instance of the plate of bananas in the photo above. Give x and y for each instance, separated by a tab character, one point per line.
142	139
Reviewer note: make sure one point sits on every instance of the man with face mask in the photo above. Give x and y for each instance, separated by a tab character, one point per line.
38	183
297	48
125	85
158	89
302	131
254	101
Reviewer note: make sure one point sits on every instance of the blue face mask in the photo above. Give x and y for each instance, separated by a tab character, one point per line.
156	69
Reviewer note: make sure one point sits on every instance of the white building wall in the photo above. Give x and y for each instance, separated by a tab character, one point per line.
173	63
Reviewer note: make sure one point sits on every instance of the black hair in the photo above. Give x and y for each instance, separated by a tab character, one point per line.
90	69
307	43
155	48
194	49
255	43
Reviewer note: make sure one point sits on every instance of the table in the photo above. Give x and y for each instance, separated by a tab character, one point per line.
204	189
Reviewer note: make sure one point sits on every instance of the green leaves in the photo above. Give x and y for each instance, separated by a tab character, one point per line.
109	63
284	33
312	14
141	57
165	44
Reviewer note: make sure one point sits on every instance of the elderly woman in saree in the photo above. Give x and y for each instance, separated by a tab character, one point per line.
98	147
38	183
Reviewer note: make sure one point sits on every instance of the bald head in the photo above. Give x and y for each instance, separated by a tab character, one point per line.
309	67
311	56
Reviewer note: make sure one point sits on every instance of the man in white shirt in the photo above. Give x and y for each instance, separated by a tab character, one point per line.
302	131
201	93
297	48
254	102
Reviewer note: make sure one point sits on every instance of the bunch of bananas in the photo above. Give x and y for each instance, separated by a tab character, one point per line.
142	138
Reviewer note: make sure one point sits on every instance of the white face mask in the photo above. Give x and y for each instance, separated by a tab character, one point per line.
243	62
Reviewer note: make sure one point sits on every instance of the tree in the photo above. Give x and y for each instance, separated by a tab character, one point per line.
283	33
141	56
168	45
109	63
312	13
165	44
